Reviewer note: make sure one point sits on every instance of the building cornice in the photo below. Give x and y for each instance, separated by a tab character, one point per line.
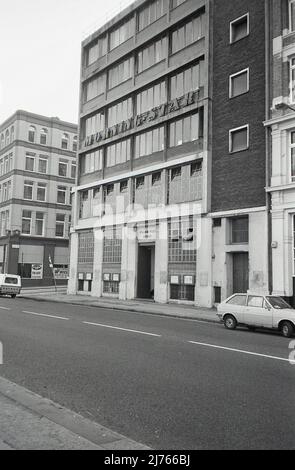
32	117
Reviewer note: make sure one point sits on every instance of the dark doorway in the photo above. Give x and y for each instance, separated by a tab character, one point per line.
240	272
145	272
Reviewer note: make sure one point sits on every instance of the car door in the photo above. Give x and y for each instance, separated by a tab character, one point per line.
236	306
257	312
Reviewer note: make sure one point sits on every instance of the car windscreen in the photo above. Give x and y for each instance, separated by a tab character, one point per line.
278	303
11	280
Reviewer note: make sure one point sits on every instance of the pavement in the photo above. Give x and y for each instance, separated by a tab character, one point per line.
139	306
163	382
31	422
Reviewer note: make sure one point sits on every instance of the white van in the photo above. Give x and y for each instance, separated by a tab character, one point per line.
10	284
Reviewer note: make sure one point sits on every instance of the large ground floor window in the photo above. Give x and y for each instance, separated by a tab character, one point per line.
182	292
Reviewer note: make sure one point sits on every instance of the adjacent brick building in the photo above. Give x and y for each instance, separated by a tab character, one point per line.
37	172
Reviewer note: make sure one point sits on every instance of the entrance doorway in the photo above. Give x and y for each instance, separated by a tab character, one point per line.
146	272
240	273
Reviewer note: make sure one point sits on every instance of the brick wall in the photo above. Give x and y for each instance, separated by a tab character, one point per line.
238	179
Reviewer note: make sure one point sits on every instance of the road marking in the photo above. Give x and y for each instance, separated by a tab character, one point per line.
5	308
240	351
45	315
123	329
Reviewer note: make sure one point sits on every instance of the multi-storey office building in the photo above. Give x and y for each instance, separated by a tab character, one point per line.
148	81
281	126
37	172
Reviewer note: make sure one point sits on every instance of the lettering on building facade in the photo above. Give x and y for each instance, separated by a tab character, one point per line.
149	116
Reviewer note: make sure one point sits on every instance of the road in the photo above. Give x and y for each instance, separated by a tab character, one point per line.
165	382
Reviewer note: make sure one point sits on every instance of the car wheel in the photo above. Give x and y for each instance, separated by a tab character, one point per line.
230	322
287	329
13	296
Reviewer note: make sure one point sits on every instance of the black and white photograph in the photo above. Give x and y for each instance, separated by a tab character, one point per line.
147	228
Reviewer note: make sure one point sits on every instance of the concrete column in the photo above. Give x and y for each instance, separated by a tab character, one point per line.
127	288
258	253
204	289
161	264
97	262
288	253
73	272
278	253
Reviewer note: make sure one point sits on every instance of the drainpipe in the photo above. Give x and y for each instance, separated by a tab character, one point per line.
268	163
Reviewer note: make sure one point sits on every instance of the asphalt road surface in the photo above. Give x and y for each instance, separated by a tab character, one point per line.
167	383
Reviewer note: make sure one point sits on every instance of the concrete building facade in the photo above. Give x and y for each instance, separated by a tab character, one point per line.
167	205
37	172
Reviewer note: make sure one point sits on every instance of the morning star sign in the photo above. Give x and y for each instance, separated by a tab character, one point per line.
155	113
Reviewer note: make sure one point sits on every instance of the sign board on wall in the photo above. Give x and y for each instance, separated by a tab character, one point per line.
61	273
37	271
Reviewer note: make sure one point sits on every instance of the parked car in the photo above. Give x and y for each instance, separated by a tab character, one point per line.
10	284
257	311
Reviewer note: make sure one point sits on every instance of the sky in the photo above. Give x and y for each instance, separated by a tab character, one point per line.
40	51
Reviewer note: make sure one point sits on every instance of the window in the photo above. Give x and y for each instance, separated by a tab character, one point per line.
112	246
28	190
156	178
238	300
181	244
292	15
42	165
120	73
239	139
151	55
196	169
120	112
31	134
187	34
188	80
292	80
182	292
61	194
63	168
124	186
151	98
2	141
75	143
91	162
150	13
184	130
96	50
239	28
111	287
176	173
122	33
30	163
95	87
118	153
240	230
41	192
39	227
65	141
73	170
12	134
26	222
176	3
60	225
7	137
86	247
94	124
239	83
293	156
255	301
43	136
149	142
140	182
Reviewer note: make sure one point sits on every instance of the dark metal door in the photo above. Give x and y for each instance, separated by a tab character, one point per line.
240	272
144	273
